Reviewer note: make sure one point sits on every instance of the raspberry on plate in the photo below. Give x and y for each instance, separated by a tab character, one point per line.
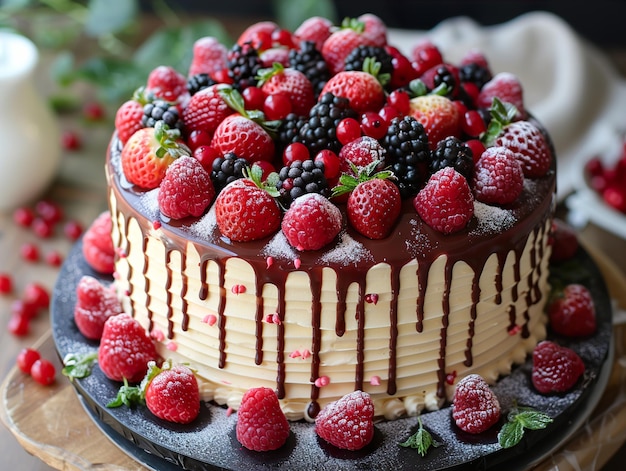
446	202
172	394
556	369
348	422
311	222
476	407
498	176
573	314
563	240
98	246
95	303
261	424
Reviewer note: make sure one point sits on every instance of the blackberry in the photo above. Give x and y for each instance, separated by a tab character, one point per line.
300	178
289	129
243	64
310	62
320	130
227	169
356	58
197	82
475	73
161	110
443	75
452	152
406	144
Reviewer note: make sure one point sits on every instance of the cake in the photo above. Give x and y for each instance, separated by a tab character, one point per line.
402	316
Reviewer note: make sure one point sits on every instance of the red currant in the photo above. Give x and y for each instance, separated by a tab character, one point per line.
206	155
471	90
373	125
253	98
222	76
19	325
6	283
26	358
197	138
49	211
42	228
277	106
29	252
473	124
54	259
348	129
72	229
37	294
261	40
400	100
295	151
615	197
477	148
23	216
332	164
22	308
43	372
93	111
425	56
70	140
388	113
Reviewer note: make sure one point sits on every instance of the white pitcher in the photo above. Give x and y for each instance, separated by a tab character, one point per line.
30	147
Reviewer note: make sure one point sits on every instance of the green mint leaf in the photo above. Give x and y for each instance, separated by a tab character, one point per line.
78	366
533	420
421	440
128	396
510	434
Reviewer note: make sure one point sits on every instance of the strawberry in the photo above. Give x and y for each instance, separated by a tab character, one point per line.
475	407
348	422
172	393
129	115
95	303
529	146
244	137
98	245
275	55
361	152
556	369
245	209
205	110
315	29
125	349
374	28
167	83
564	241
573	314
507	88
259	34
362	88
209	56
446	202
439	116
374	202
498	176
261	424
186	189
148	153
290	82
311	222
341	43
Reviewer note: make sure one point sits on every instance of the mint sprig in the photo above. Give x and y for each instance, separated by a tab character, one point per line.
519	419
502	113
421	440
78	365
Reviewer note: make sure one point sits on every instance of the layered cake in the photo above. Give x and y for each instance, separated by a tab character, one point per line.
454	284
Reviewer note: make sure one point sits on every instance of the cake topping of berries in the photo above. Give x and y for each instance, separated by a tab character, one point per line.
446	202
499	178
95	303
529	146
261	424
573	313
243	65
452	152
300	178
348	422
311	222
308	60
507	88
475	406
227	169
439	116
167	83
556	369
161	110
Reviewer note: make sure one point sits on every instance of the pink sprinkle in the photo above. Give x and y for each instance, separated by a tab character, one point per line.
371	298
451	377
157	334
515	330
210	319
172	346
322	381
120	252
224	381
297	263
305	354
269	261
375	380
116	275
273	319
295	354
229	412
156	225
238	289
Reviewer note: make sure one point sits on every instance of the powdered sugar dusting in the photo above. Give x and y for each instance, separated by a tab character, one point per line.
149	204
279	247
204	227
492	218
348	251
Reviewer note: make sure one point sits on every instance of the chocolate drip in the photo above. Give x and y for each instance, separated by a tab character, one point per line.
316	339
469	360
421	294
360	339
204	285
443	337
258	320
280	342
183	292
342	292
168	293
221	317
393	330
498	280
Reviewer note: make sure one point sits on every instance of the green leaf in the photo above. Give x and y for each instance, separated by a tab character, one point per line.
533	420
520	419
109	16
78	366
421	440
128	396
290	14
510	434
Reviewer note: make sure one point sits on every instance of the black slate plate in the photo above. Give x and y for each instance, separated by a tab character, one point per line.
210	441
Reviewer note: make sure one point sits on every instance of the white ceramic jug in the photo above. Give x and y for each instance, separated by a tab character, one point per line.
30	147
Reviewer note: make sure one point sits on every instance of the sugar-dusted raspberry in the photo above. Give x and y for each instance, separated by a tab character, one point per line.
507	87
311	222
95	303
348	422
446	202
498	176
564	241
261	424
573	314
98	245
529	146
476	407
361	152
556	369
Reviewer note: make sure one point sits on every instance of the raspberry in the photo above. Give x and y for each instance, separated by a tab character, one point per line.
564	241
360	152
348	422
476	408
446	202
311	222
186	190
173	395
556	369
573	314
498	178
261	424
529	146
95	303
506	87
98	246
167	83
